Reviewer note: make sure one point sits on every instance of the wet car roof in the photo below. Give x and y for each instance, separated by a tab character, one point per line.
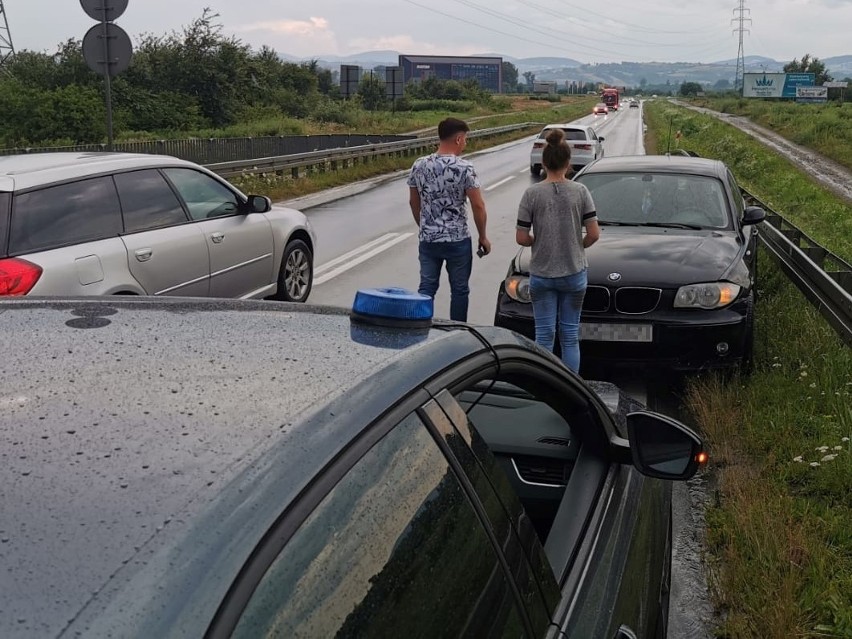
657	163
128	423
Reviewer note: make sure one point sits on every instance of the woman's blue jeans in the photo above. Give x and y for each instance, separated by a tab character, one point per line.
459	259
559	300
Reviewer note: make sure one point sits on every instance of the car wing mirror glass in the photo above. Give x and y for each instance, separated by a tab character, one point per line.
601	138
259	204
753	215
663	447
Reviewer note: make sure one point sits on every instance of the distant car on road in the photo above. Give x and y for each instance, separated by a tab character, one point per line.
671	282
634	104
600	109
134	224
586	145
223	468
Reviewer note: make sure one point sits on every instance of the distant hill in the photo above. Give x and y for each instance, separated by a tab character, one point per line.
658	75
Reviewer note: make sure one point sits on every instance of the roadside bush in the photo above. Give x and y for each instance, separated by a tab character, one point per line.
442	105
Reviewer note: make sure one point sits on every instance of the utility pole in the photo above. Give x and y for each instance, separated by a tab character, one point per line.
7	50
740	19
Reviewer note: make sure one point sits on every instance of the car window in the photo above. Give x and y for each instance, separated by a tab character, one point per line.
204	196
5	199
394	550
147	201
511	524
570	134
62	215
665	198
739	206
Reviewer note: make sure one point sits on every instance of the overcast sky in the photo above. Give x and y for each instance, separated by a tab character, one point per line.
610	31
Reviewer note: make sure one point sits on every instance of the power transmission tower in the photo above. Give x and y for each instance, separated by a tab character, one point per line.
740	19
6	48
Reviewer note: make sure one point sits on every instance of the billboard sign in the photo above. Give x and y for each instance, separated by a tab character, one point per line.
836	84
775	85
350	78
811	94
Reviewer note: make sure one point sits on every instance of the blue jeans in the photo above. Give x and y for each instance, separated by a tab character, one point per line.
559	298
459	259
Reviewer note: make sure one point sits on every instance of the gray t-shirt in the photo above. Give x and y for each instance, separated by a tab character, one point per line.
556	213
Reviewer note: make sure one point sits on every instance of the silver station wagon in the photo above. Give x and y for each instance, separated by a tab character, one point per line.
133	224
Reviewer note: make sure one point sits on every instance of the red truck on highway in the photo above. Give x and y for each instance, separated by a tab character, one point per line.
609	97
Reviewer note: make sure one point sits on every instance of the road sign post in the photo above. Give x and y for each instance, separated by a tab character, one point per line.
106	48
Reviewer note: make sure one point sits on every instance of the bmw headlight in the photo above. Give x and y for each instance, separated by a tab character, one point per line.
710	295
518	288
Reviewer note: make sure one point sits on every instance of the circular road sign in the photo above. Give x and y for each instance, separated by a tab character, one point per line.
115	56
101	10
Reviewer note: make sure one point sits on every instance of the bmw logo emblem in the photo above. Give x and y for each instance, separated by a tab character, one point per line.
613	277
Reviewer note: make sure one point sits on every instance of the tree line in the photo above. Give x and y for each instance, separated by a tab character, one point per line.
190	80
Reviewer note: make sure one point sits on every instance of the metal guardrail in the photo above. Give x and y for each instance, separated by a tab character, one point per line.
207	150
823	277
334	158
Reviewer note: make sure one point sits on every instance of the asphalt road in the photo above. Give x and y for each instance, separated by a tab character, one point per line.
367	238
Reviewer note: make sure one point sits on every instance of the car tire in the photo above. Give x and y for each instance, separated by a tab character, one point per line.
296	275
535	170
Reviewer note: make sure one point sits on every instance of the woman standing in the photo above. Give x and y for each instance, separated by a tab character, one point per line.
551	218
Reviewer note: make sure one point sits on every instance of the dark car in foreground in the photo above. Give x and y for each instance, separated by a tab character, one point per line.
204	468
671	280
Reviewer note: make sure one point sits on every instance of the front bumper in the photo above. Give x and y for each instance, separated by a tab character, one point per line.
682	340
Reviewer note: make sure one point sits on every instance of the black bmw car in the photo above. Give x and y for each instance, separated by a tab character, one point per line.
202	468
671	280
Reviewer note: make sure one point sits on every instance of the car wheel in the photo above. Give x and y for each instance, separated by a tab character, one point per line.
296	275
535	169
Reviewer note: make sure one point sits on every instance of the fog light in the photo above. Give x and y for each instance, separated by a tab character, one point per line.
722	348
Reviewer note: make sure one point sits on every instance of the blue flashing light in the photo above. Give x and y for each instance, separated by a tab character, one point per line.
398	305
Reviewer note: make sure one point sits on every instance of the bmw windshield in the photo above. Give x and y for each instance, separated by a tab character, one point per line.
658	199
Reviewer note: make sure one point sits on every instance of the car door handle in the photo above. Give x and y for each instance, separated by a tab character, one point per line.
217	237
143	255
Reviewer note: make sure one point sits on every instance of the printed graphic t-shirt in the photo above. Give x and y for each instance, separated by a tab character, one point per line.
442	181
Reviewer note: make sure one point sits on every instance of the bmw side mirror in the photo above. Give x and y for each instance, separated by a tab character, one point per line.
601	138
259	204
753	215
663	447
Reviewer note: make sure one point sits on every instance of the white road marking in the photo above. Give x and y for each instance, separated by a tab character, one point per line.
353	253
523	171
347	261
496	184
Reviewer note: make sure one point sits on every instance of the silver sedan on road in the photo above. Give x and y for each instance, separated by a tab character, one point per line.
134	224
585	145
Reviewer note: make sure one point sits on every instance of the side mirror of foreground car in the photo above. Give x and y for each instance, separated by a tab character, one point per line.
259	204
663	447
753	215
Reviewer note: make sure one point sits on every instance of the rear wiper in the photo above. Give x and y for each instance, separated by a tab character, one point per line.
671	225
606	223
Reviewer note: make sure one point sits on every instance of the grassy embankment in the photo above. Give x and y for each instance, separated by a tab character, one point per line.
779	533
280	187
825	128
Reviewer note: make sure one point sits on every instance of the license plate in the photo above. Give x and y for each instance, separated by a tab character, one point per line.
596	332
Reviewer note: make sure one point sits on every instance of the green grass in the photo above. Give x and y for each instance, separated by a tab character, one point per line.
779	529
770	176
825	128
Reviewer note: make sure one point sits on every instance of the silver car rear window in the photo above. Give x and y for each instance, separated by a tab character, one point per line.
570	134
